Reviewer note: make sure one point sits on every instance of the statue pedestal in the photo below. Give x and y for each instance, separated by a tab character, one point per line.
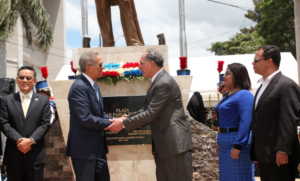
131	163
126	162
130	158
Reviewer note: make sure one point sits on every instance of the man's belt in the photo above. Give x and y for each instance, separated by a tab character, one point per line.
228	130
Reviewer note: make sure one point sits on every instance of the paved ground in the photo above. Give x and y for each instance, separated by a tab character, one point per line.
257	179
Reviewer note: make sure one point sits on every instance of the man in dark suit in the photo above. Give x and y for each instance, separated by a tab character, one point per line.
163	110
86	141
25	118
276	111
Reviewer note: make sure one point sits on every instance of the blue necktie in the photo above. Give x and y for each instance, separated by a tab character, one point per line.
96	88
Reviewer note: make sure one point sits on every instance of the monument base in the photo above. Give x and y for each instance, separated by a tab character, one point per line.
131	163
183	72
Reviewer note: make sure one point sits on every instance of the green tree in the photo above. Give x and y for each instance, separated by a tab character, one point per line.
4	9
275	22
247	41
35	21
274	25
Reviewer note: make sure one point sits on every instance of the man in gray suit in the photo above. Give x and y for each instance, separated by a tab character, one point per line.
163	110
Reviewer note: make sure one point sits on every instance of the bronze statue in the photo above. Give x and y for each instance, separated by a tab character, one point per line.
131	29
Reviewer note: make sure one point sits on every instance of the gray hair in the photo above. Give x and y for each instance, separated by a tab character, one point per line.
155	56
87	58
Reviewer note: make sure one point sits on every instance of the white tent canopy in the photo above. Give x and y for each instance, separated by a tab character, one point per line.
204	69
206	76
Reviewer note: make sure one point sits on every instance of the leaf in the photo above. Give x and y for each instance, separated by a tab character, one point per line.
115	80
275	25
34	17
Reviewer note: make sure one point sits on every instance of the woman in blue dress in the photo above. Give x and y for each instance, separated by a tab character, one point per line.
235	116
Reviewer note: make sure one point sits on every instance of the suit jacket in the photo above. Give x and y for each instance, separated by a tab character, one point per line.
15	125
86	137
7	86
275	121
163	110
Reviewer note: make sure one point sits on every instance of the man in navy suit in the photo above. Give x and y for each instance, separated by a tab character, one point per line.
25	119
86	140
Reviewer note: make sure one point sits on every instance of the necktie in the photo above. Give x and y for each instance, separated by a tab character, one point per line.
25	103
256	94
96	88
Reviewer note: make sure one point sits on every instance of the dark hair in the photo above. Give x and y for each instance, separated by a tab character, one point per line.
26	67
44	92
155	56
240	74
273	52
196	107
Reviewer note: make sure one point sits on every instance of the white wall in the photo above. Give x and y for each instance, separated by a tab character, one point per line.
206	77
56	57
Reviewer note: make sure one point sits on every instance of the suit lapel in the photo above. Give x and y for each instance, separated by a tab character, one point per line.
100	102
18	106
268	89
86	81
33	103
255	97
159	76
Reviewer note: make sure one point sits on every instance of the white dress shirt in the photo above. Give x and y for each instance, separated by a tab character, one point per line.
264	84
91	81
25	101
94	85
155	75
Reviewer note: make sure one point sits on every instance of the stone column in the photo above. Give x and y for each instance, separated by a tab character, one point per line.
2	59
55	56
20	39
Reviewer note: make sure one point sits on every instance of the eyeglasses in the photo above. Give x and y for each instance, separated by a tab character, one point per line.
100	65
257	60
25	77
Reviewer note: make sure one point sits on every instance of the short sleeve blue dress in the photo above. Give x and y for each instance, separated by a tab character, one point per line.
235	116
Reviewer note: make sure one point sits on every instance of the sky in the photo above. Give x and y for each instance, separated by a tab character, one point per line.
206	22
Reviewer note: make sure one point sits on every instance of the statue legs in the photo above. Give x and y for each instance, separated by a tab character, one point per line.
131	28
104	20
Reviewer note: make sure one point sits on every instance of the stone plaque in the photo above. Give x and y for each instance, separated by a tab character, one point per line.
118	106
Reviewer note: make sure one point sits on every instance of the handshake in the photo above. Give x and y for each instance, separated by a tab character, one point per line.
116	124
